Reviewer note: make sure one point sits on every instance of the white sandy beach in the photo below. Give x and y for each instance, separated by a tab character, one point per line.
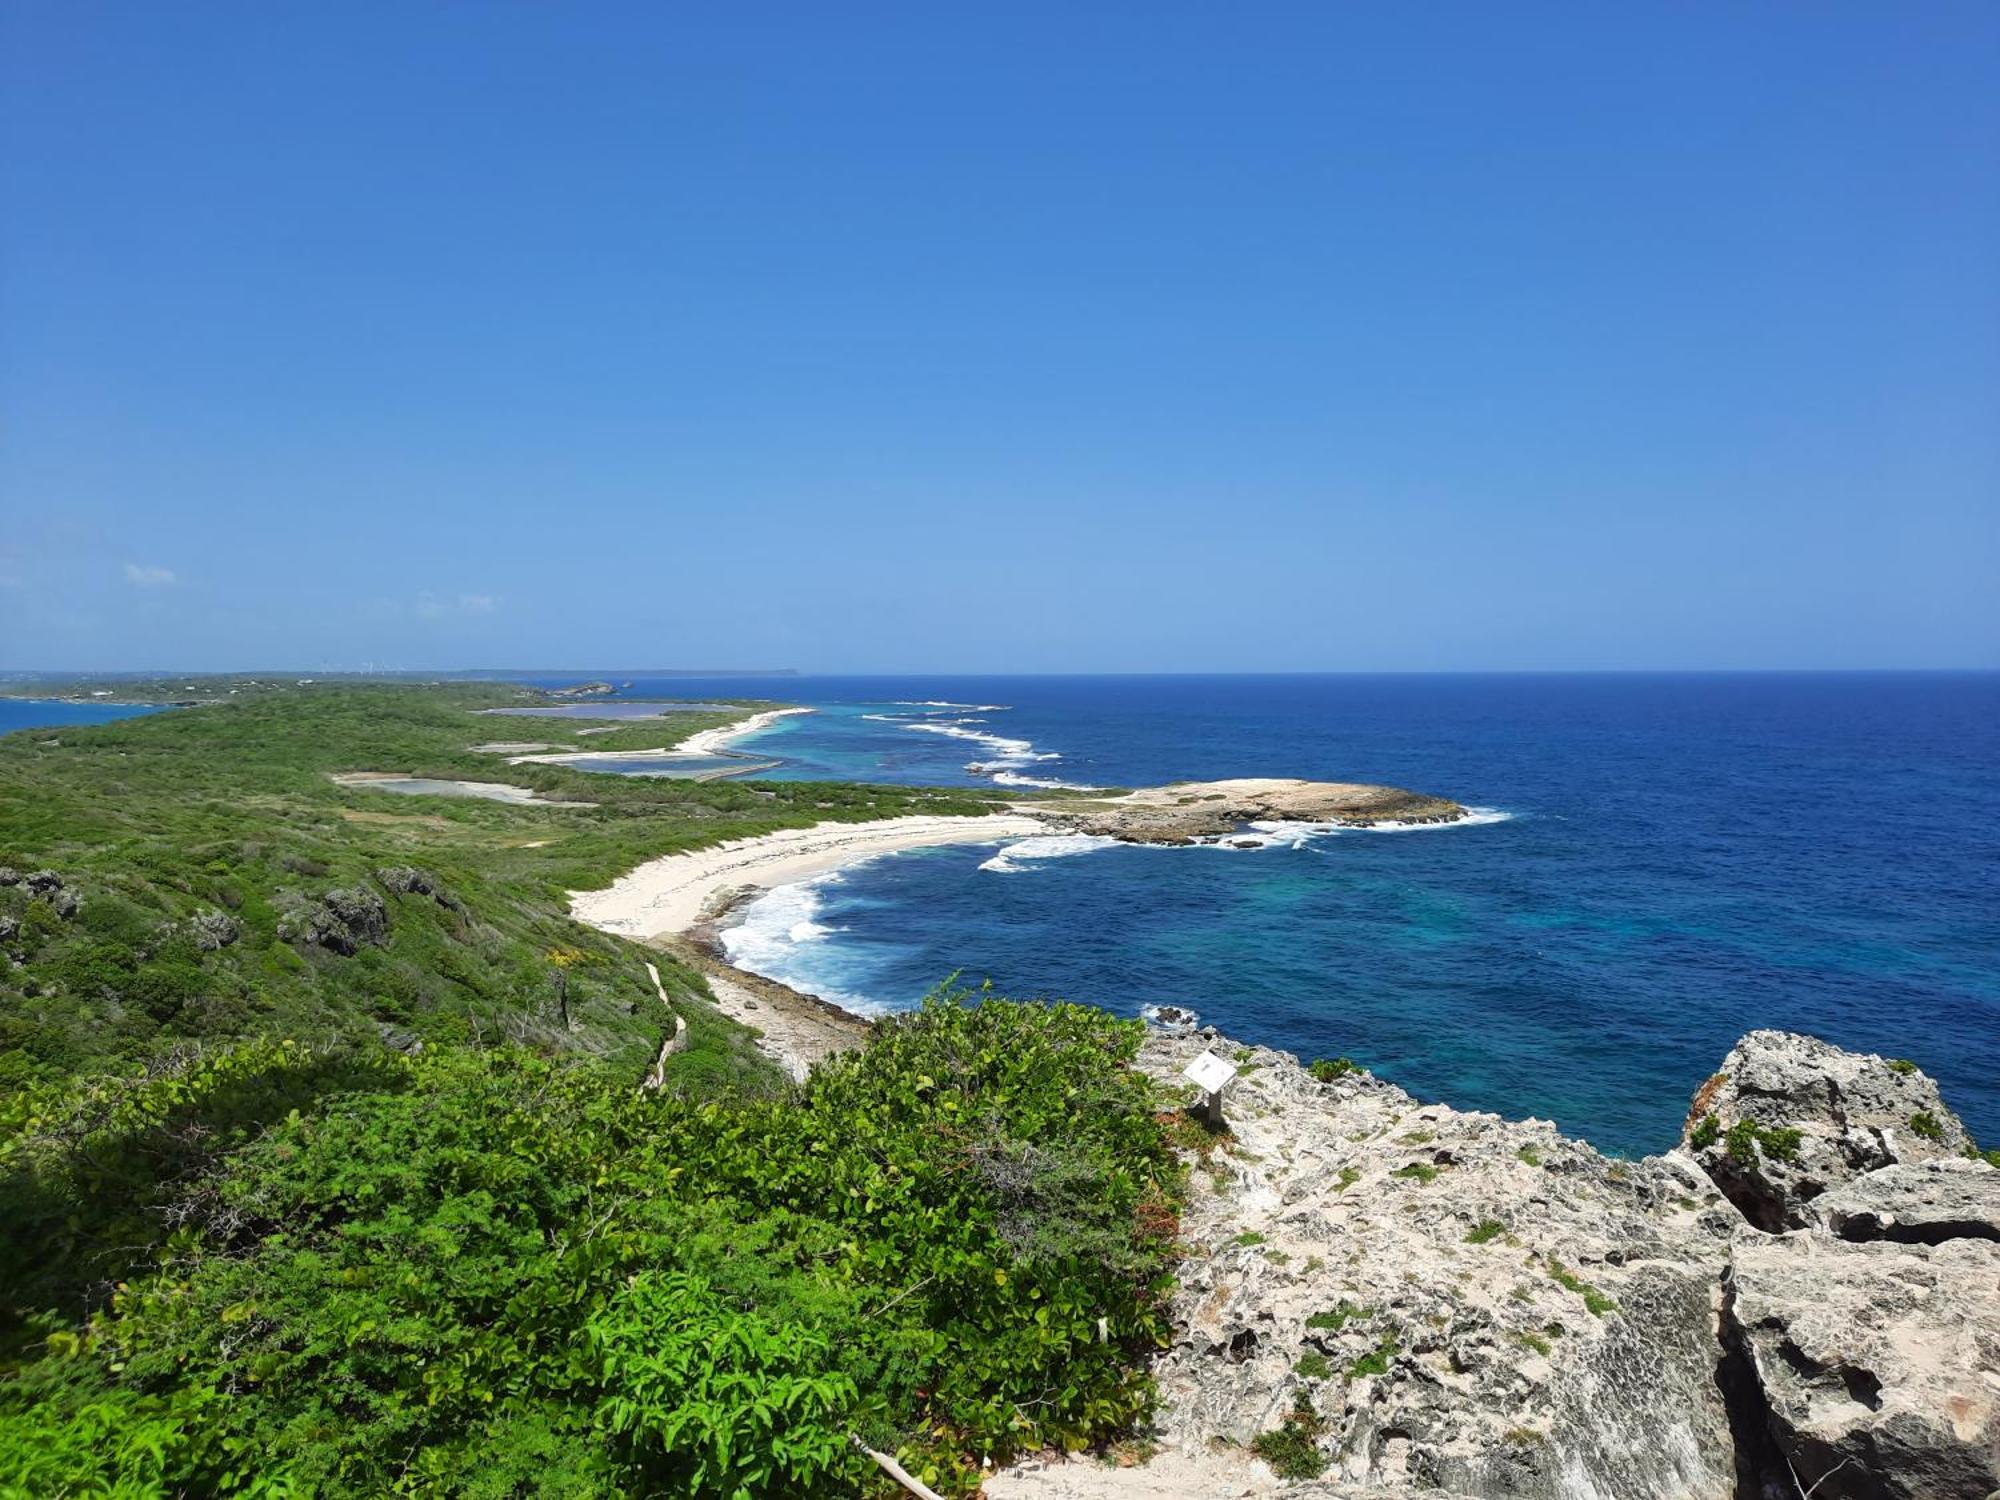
669	895
708	742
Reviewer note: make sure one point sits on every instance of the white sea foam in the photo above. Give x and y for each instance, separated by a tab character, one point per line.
775	924
1014	778
779	936
1046	846
1008	753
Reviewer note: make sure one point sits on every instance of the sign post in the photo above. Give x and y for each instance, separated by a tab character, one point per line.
1211	1075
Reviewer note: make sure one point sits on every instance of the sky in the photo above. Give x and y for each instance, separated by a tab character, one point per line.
1065	337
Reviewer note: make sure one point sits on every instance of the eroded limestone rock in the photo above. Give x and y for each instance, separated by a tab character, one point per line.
1470	1303
1789	1117
1879	1362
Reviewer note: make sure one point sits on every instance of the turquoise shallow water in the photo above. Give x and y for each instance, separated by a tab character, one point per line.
1683	858
46	713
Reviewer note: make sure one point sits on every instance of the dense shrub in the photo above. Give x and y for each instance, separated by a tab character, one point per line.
491	1273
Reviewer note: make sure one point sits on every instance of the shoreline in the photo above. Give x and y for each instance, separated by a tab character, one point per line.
676	903
668	896
700	745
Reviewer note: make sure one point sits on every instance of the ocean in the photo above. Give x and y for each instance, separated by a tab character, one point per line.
53	713
1662	862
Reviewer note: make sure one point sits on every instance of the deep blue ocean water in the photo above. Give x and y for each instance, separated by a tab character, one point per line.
1684	858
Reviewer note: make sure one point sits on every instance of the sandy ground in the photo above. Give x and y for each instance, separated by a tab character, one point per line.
1170	1475
708	742
795	1031
490	791
670	895
665	900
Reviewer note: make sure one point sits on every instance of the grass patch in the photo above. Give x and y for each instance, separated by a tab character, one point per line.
1485	1230
1327	1069
1417	1171
1927	1125
1595	1301
1530	1155
1292	1449
1336	1318
1375	1361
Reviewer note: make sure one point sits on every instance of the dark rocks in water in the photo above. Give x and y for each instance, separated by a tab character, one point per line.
1789	1117
214	930
342	920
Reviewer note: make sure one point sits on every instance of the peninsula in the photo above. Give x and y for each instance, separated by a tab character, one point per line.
374	1115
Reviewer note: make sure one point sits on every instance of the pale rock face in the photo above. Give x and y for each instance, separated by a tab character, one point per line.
1497	1310
1880	1362
1925	1203
1854	1113
1485	1309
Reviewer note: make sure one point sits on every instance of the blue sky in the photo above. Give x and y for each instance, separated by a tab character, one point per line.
1002	338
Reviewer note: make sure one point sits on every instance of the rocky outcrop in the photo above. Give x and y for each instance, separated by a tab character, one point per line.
1430	1301
1191	812
213	930
408	880
1878	1363
1925	1203
341	921
1466	1302
1789	1117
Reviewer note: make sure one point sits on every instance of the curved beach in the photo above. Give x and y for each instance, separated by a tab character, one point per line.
708	742
668	896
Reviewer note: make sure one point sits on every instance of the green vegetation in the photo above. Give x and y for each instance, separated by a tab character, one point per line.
1902	1065
326	1171
1375	1361
217	871
1484	1231
1707	1130
1247	1238
1314	1366
1530	1155
1292	1449
1348	1177
1595	1301
1537	1343
1927	1125
1745	1138
1336	1318
1327	1069
1417	1171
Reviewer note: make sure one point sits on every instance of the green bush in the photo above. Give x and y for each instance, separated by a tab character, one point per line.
1327	1069
1292	1448
494	1273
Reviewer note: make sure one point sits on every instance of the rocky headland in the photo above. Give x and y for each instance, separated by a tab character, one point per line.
1189	812
1383	1297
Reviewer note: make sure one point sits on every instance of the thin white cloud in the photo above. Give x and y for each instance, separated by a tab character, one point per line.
147	576
431	606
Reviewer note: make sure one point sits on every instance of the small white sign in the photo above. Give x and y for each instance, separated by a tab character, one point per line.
1209	1073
